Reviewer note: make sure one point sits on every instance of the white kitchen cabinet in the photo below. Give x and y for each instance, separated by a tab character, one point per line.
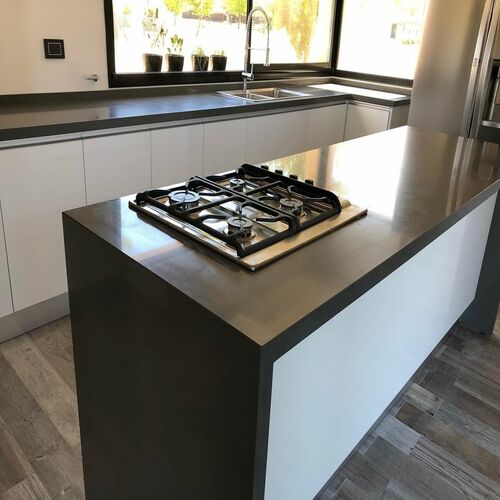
365	119
37	184
325	126
117	165
5	292
177	154
274	136
224	145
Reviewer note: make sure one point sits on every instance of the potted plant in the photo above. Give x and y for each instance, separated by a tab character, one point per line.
155	34
175	59
219	60
200	60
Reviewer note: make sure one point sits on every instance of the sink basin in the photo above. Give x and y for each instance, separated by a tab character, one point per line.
263	95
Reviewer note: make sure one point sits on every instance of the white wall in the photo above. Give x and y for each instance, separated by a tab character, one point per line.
23	26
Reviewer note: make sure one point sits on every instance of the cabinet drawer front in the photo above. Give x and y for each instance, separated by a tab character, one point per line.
37	184
117	165
274	136
326	126
177	154
365	120
224	146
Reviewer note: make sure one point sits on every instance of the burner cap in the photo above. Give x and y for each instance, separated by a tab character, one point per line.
237	184
187	198
240	223
291	205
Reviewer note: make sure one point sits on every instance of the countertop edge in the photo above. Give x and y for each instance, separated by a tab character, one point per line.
51	130
68	214
299	331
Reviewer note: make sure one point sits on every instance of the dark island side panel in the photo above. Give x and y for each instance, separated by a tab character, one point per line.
167	393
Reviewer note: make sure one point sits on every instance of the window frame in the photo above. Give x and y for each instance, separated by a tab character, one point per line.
337	30
262	73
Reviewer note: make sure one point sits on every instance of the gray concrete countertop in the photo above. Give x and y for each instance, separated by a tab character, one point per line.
416	184
22	119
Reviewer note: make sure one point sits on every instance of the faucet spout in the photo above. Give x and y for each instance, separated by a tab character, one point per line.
248	73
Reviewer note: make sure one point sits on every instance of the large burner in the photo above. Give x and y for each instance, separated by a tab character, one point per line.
184	197
237	184
292	205
240	223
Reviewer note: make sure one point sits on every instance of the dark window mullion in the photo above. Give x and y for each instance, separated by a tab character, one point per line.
336	32
110	39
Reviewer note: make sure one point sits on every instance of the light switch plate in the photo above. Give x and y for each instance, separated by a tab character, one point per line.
54	48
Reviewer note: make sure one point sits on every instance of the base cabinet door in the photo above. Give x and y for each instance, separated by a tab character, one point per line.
37	184
224	146
177	154
5	292
117	165
365	120
274	136
326	126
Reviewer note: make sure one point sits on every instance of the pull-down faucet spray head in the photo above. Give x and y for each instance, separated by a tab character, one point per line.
248	66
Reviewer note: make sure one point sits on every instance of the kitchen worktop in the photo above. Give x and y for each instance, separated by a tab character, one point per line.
415	183
23	118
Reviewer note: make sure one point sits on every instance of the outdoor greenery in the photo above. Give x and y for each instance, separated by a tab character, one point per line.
153	29
298	18
201	8
175	6
237	8
156	26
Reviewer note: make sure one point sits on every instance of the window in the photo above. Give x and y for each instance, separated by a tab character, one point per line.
301	31
195	41
157	27
381	37
169	39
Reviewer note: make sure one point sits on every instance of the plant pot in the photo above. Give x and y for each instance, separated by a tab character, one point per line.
175	62
218	63
152	62
200	63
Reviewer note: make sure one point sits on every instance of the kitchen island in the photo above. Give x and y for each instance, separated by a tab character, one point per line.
198	379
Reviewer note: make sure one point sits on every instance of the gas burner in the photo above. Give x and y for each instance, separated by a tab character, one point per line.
252	215
292	205
237	184
185	198
240	223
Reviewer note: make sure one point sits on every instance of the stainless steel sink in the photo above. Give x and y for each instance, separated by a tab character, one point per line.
263	95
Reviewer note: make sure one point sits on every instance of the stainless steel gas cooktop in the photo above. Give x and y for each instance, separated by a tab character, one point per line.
252	215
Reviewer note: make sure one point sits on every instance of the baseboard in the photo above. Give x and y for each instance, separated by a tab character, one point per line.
33	317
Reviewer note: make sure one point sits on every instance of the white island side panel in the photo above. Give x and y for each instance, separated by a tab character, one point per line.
330	389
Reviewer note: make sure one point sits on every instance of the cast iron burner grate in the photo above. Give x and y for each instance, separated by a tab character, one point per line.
249	215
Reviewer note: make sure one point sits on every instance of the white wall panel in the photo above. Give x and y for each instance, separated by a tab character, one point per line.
330	389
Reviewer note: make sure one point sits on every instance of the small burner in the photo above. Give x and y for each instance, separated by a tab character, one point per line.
240	223
237	184
292	205
187	198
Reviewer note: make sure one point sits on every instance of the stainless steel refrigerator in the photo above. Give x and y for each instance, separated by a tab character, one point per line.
456	82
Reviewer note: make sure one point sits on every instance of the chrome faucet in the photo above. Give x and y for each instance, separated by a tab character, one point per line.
248	66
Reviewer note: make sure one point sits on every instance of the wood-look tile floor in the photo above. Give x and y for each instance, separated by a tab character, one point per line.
440	441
